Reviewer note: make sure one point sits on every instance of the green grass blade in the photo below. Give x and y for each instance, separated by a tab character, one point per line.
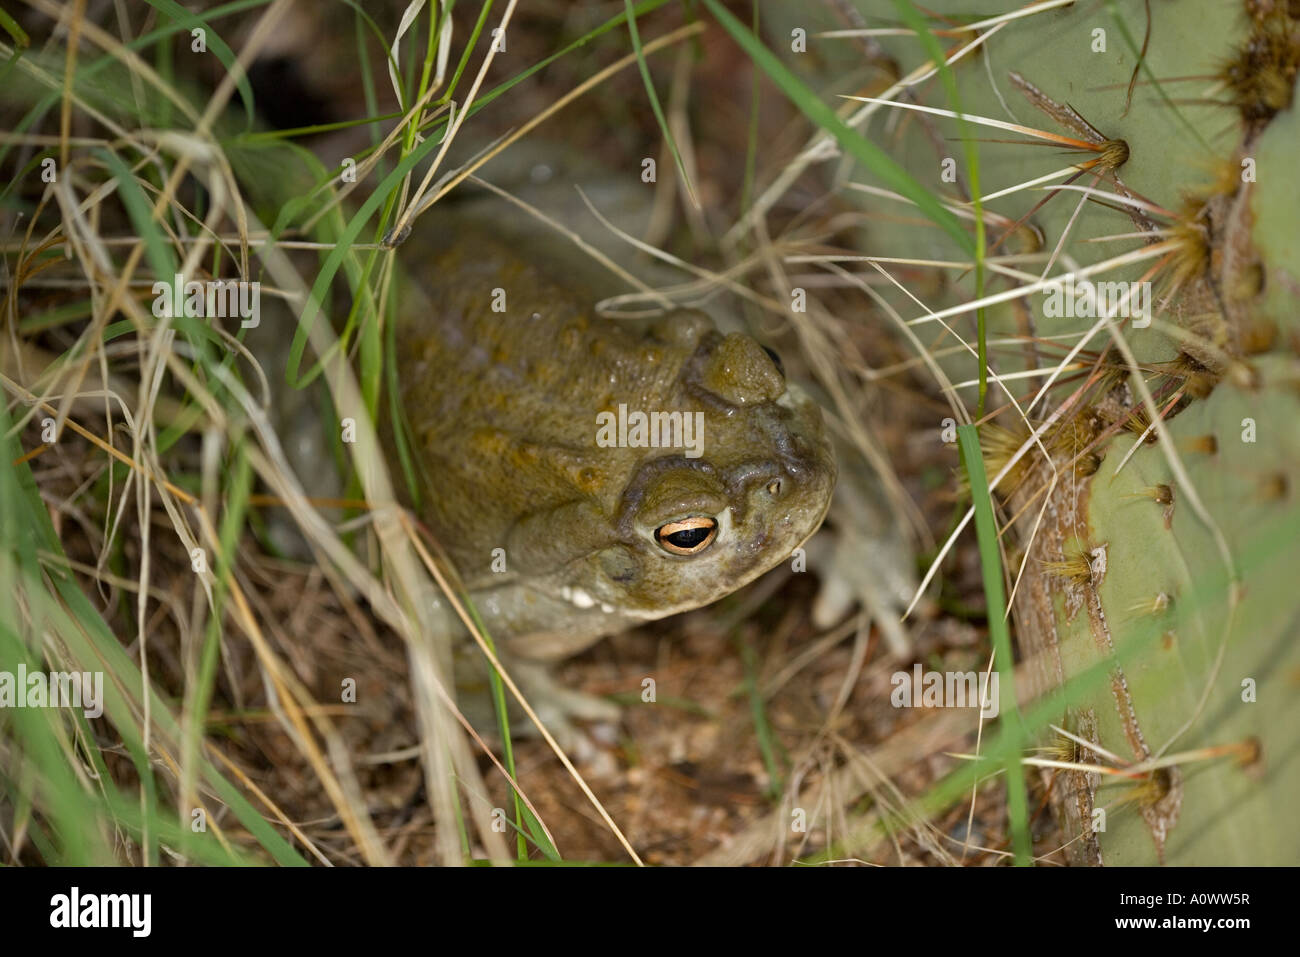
859	147
912	17
986	531
655	105
185	20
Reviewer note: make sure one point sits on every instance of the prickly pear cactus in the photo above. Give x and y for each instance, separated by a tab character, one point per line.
1156	548
1217	683
1184	595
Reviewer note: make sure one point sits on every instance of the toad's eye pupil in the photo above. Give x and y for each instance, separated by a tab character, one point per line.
690	536
776	360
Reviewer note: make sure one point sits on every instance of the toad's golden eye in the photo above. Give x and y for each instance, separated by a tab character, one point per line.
690	536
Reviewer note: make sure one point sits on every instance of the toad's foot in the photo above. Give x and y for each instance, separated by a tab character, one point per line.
863	561
557	708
